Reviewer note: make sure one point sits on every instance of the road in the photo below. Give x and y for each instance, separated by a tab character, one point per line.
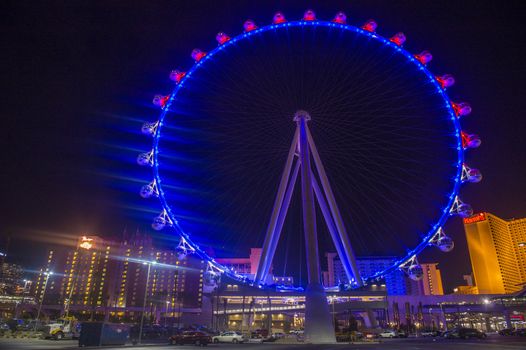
492	343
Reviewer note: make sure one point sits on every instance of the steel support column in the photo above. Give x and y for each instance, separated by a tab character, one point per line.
344	237
264	261
318	323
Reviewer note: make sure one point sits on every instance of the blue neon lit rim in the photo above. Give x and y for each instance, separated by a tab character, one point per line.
316	23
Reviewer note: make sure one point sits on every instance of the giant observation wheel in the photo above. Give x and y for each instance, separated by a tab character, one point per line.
389	137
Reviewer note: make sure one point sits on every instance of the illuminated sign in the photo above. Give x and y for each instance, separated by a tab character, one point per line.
86	243
475	218
518	317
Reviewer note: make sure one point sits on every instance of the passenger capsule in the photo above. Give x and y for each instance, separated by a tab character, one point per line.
145	158
399	39
177	76
147	191
470	140
249	25
424	57
159	222
149	128
370	26
446	80
198	55
445	244
160	100
474	175
415	272
222	38
309	15
181	253
464	210
279	18
211	277
340	18
461	108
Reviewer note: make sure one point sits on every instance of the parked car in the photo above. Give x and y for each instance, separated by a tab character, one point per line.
429	334
521	332
191	337
388	333
402	333
507	331
465	333
278	335
229	337
255	338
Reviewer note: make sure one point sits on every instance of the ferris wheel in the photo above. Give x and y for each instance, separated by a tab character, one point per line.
361	122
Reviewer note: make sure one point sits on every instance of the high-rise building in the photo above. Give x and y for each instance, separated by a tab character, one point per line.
104	275
48	284
10	278
497	251
396	282
86	272
431	282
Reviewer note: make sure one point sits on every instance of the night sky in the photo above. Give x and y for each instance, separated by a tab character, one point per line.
78	79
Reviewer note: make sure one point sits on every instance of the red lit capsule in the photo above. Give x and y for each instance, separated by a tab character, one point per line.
197	55
309	15
461	108
445	80
398	38
370	25
249	25
160	100
279	18
222	38
424	57
340	18
177	75
470	140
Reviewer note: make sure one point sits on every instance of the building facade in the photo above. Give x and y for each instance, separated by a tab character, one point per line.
11	281
248	267
396	282
117	278
497	251
431	283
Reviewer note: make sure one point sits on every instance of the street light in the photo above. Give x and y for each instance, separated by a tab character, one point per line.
166	313
26	283
43	296
149	263
333	313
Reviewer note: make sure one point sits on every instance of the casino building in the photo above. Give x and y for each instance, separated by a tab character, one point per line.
106	279
497	248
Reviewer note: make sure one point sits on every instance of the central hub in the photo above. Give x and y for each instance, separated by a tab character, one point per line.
301	115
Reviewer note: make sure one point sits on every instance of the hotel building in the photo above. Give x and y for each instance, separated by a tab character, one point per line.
396	282
107	277
497	248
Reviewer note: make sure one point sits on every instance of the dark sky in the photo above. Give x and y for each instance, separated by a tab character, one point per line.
76	77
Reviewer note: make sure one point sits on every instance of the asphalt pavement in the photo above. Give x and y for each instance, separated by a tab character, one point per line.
493	342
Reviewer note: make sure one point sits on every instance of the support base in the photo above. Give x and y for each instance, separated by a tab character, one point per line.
319	328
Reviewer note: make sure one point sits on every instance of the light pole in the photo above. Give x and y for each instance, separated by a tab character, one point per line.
43	296
149	263
333	313
166	313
